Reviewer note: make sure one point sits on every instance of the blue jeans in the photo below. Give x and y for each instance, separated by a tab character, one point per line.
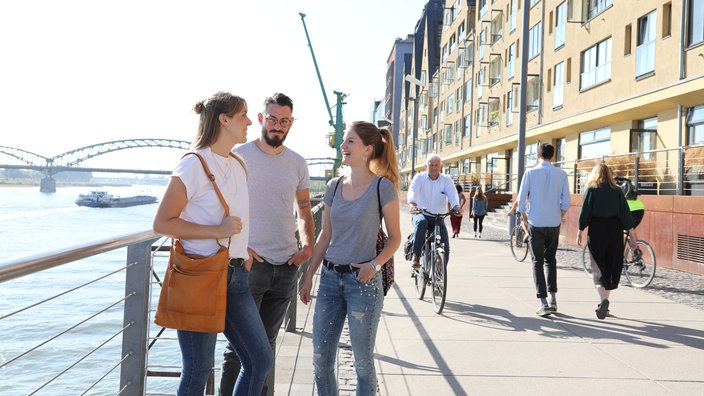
542	243
342	296
243	329
272	287
422	223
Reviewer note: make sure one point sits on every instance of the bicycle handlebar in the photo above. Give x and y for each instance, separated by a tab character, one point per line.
436	215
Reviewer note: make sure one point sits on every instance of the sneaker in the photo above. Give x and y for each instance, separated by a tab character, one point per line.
480	235
475	234
602	309
553	306
543	310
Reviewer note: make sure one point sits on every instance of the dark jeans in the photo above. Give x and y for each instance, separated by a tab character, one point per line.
272	287
480	220
421	224
543	247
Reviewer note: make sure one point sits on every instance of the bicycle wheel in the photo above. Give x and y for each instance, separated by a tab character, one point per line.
586	260
519	249
438	280
420	275
640	271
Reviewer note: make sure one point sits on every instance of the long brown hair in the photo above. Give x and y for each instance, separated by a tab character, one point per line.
601	174
383	160
479	193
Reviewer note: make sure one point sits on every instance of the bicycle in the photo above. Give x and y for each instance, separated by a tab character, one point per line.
639	266
433	270
519	241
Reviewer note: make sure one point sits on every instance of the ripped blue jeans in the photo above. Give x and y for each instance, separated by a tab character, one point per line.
341	296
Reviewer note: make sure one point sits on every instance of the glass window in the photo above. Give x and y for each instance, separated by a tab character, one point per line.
645	49
453	43
560	23
533	93
512	18
509	108
497	28
450	103
695	125
596	143
596	64
458	95
467	124
531	154
558	85
444	53
511	60
695	21
448	133
461	32
644	137
534	2
468	91
483	7
595	7
535	40
480	117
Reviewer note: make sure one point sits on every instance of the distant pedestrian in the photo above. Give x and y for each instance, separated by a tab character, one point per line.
479	208
456	219
606	213
350	281
191	211
543	201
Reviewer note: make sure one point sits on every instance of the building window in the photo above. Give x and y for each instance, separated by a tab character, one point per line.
461	32
444	53
448	134
695	125
453	43
644	137
468	91
497	28
558	85
594	144
560	23
482	43
596	64
511	60
480	117
595	7
495	70
458	95
450	103
457	133
483	7
533	2
645	49
467	124
531	155
509	108
535	40
533	93
695	22
512	18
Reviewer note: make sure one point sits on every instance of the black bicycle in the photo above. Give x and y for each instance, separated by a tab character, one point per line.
433	270
638	265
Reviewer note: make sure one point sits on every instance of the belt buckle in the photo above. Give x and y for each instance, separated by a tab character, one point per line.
236	262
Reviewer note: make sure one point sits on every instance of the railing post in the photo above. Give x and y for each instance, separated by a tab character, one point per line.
136	318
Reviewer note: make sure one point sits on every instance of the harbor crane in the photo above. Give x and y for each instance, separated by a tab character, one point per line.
337	123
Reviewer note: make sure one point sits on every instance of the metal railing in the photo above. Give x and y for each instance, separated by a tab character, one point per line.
67	341
675	171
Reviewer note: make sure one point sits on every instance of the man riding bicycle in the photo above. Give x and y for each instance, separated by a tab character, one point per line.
430	190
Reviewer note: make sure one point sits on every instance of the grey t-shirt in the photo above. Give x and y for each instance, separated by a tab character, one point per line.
273	181
355	224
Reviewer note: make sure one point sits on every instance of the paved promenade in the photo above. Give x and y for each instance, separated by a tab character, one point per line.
488	340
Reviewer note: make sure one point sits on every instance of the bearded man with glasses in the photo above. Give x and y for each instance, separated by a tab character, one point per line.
278	179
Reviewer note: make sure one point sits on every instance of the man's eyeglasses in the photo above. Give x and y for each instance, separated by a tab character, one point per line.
283	122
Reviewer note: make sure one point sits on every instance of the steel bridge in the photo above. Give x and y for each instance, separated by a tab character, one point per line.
70	160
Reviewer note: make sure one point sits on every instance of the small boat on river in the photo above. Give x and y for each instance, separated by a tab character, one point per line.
101	199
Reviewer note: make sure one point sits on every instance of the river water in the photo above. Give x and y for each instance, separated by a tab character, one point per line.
31	223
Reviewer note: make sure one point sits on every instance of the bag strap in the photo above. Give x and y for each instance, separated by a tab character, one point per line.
378	199
212	180
215	186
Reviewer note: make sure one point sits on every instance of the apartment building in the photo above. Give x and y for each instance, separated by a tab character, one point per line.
606	80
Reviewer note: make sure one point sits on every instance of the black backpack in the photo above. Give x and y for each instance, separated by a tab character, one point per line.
627	187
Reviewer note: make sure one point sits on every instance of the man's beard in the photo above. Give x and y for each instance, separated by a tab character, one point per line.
273	141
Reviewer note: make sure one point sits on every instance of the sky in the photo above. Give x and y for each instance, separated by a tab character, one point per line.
81	72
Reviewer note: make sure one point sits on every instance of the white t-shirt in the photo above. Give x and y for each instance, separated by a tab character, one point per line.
204	206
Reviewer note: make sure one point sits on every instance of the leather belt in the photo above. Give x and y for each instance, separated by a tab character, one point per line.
339	268
236	262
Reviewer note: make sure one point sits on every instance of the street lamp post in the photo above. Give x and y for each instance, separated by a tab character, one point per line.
419	87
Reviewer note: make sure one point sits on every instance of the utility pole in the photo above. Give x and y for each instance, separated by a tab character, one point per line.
418	88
